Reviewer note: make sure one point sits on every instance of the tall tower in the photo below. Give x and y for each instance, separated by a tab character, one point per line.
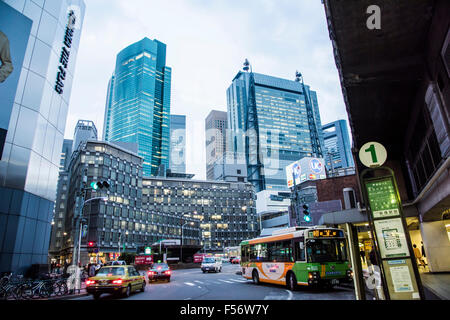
337	148
177	143
274	122
215	134
138	102
85	130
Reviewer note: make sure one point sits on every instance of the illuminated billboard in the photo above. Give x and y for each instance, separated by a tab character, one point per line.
15	30
305	169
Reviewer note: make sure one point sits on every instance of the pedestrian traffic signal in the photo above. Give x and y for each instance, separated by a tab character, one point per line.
306	213
100	184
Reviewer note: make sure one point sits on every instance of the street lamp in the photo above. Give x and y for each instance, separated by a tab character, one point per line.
190	223
81	224
120	237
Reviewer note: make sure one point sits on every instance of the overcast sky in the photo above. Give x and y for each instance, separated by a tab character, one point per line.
207	42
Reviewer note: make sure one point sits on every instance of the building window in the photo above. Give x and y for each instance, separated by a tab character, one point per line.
424	151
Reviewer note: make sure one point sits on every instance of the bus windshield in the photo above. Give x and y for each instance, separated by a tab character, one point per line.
326	250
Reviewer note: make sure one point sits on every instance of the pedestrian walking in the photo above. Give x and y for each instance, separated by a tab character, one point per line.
92	270
362	253
418	255
373	257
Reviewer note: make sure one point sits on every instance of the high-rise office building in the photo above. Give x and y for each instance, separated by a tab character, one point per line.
274	122
61	200
35	94
337	150
138	102
215	134
66	153
85	130
177	159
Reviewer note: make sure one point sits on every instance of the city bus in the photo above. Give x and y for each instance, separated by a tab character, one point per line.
314	257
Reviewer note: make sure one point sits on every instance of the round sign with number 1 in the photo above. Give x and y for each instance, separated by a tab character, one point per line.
372	154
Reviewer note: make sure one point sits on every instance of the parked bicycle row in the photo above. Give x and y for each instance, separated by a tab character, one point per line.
15	287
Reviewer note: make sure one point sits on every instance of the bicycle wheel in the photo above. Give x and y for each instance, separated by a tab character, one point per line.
63	289
25	291
43	290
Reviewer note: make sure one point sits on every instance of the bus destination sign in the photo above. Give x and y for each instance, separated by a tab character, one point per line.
326	233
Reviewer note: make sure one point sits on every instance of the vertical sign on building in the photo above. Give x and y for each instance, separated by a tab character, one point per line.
65	53
399	270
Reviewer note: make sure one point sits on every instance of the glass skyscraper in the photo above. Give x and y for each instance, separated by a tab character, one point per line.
177	157
138	102
268	122
35	126
337	149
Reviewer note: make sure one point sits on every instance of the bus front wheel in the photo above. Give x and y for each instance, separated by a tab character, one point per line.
291	282
255	277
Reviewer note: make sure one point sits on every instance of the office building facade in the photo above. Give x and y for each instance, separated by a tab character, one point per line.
177	159
215	134
269	121
225	210
138	102
35	127
337	149
230	167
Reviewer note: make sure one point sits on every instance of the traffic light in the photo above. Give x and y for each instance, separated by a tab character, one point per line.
99	184
92	245
306	213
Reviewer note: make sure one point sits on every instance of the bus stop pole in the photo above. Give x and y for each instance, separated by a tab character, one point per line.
355	259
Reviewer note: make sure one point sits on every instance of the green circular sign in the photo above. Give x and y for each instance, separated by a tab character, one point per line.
373	154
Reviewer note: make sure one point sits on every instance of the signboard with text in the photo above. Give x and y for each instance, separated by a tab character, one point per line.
140	260
392	240
305	169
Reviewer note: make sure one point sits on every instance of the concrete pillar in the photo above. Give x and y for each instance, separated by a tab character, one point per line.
437	245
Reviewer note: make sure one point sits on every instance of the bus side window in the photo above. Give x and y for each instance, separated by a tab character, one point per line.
300	251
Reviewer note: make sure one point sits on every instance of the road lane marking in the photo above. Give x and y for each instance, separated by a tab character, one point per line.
237	280
198	281
189	284
225	281
290	294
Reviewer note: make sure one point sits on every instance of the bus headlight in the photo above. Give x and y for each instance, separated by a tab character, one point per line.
350	273
313	275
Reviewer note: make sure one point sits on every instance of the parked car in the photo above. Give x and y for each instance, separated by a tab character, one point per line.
231	258
119	279
236	260
159	271
211	264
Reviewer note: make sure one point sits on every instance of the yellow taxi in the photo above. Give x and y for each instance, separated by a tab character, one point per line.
117	279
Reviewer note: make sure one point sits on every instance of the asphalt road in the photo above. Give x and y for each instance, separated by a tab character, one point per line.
192	284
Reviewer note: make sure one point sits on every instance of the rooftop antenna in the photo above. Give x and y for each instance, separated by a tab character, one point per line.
298	76
247	66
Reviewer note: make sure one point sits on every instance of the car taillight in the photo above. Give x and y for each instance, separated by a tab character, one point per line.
89	282
167	272
118	281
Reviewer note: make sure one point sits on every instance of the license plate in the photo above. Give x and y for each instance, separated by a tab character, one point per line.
334	281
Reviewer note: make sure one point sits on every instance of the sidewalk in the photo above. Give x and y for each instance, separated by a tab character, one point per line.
78	293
